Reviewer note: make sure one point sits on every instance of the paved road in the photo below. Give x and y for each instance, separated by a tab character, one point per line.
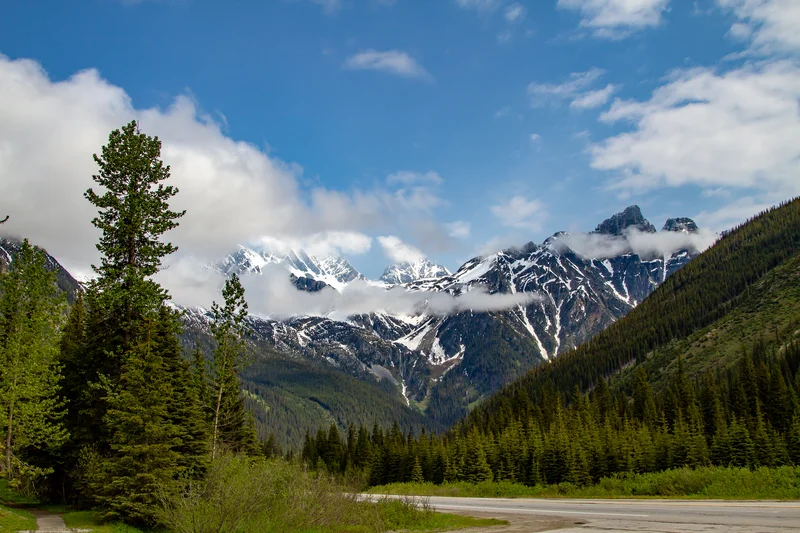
639	515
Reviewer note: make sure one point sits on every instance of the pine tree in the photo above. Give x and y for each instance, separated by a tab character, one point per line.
231	427
30	407
793	441
133	214
184	405
476	467
416	472
644	405
143	454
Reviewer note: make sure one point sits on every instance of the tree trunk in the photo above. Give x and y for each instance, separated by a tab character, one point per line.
217	410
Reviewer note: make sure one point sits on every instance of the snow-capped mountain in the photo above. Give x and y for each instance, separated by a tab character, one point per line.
308	272
408	272
577	297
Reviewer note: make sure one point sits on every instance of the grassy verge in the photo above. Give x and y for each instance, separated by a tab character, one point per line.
15	520
711	482
87	520
418	516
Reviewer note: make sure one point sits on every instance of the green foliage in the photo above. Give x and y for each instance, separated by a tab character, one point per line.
545	429
30	408
143	456
244	494
231	427
707	482
133	215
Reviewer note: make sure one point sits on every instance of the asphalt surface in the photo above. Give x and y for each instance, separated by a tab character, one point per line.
637	515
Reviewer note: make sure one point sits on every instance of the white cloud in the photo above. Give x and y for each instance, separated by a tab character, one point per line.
272	294
616	18
505	37
734	129
646	245
392	61
479	5
323	244
770	24
593	99
516	12
535	137
233	191
398	251
575	89
407	177
520	212
459	229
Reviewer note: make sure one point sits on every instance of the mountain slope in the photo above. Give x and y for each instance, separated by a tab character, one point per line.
9	248
444	363
712	294
409	272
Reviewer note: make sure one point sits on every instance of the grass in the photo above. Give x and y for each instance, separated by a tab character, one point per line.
418	516
87	520
15	520
703	483
292	500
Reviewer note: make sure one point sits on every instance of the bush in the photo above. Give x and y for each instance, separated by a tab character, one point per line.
240	494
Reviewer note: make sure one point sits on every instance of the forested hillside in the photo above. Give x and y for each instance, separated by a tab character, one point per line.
706	371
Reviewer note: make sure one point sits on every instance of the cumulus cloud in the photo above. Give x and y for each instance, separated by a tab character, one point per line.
459	229
735	129
520	212
592	99
398	251
233	191
325	244
646	245
272	295
576	90
616	18
407	177
770	25
393	62
515	13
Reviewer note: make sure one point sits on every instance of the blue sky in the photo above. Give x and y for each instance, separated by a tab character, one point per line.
458	126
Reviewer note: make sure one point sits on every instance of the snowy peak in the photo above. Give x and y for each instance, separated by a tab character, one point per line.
406	272
630	217
683	224
333	271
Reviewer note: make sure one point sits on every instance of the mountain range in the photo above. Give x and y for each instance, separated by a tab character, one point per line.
441	363
431	366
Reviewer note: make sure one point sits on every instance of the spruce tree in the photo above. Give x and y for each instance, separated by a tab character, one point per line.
231	426
133	215
644	405
143	456
476	467
30	407
184	405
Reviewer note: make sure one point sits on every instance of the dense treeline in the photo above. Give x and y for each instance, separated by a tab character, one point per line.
746	416
100	407
290	396
706	289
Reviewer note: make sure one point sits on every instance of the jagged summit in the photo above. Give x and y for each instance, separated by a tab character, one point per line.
311	271
630	217
407	272
682	224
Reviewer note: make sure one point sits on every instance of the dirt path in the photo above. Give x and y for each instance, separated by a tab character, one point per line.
47	522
